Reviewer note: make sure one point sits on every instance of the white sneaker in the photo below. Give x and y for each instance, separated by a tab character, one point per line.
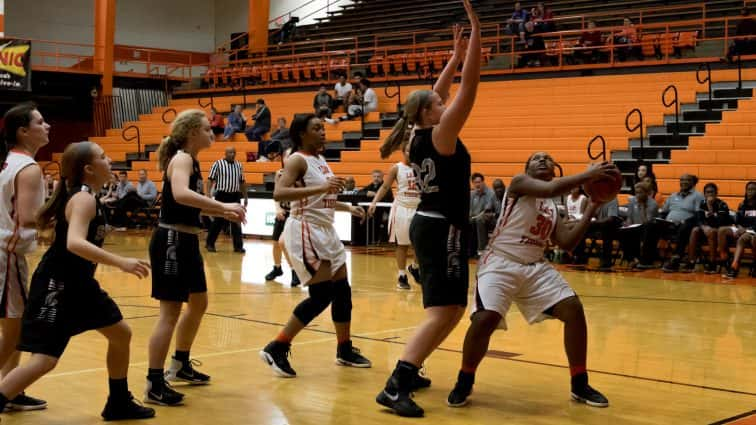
330	121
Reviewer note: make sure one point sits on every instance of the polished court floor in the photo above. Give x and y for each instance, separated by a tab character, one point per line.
670	349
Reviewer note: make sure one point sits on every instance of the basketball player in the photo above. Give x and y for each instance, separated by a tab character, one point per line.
440	228
25	131
283	210
315	250
513	269
179	274
65	299
402	211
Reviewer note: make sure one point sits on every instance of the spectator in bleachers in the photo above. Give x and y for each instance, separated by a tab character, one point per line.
236	122
322	103
482	213
576	202
341	91
543	17
262	123
712	214
744	231
126	198
500	189
366	104
515	24
679	211
743	45
50	184
653	187
535	47
216	121
279	141
627	36
589	39
641	211
605	227
108	191
146	188
124	185
380	223
288	30
349	186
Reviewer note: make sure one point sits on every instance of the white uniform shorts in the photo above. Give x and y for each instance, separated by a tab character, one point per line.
309	245
399	224
533	287
14	284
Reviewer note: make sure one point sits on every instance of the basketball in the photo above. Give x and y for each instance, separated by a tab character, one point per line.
604	189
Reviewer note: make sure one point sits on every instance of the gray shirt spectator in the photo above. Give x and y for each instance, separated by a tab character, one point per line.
641	213
147	191
682	206
481	202
123	188
608	210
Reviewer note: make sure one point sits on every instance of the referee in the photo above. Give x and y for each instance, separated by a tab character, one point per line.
227	178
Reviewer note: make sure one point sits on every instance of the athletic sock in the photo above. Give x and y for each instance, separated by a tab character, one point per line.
577	370
283	338
156	375
119	388
402	273
468	369
182	356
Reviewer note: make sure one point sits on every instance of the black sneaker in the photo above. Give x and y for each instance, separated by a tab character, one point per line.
210	248
126	408
414	270
399	401
23	402
162	393
403	282
688	267
347	355
584	393
294	279
184	372
275	355
731	273
671	266
419	381
458	397
711	268
645	266
276	272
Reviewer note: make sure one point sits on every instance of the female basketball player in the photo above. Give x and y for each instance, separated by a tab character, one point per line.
402	211
283	210
513	269
315	250
22	195
440	228
64	298
179	274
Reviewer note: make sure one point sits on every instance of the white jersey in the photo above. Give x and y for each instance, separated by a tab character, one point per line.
316	209
575	207
524	228
13	237
407	194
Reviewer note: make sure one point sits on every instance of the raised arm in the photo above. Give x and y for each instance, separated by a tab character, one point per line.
444	82
523	184
453	119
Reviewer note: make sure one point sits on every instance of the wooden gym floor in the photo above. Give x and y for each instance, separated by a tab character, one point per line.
662	351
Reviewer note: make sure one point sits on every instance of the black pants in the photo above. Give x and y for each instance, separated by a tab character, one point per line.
220	223
607	232
659	229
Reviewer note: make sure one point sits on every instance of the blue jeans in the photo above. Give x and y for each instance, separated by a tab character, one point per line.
229	131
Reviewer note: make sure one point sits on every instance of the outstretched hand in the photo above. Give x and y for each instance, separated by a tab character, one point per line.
460	41
471	15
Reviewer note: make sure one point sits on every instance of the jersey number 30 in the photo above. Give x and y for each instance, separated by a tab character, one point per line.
542	227
425	175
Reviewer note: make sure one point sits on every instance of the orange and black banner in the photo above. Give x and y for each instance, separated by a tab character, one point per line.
15	65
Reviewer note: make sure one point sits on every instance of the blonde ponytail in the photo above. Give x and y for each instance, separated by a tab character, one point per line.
417	101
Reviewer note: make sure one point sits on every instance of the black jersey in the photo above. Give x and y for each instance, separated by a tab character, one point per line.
746	216
443	180
171	212
58	260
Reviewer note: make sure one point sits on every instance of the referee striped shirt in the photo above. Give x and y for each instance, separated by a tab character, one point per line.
227	176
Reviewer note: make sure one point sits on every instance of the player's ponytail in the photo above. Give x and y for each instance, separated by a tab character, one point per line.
75	158
417	101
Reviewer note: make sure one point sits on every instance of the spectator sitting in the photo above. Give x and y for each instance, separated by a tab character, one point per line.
236	122
589	39
288	30
516	22
262	123
127	200
146	189
650	181
322	103
216	122
341	90
641	211
50	185
279	142
380	225
605	226
482	214
577	202
629	37
108	191
499	190
543	18
680	213
712	214
534	46
349	186
743	44
744	231
368	103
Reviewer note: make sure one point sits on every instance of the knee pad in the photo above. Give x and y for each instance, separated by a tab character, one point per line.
321	294
341	308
